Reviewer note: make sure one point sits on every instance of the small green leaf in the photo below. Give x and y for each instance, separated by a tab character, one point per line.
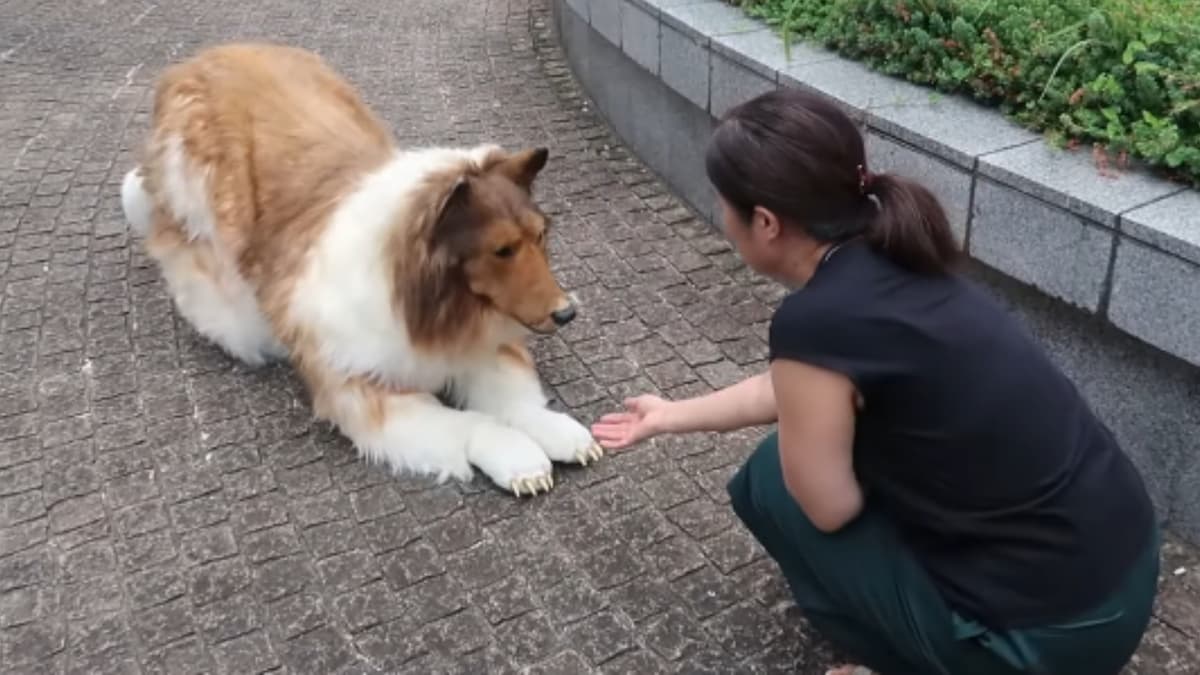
963	31
1097	25
1132	50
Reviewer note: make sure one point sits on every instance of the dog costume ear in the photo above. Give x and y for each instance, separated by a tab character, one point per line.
451	225
522	167
457	197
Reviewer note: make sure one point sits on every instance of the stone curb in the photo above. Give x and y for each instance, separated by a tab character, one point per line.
1125	247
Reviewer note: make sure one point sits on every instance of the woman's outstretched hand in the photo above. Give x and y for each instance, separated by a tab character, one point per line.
643	417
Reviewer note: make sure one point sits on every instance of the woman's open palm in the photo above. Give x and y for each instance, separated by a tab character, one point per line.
641	419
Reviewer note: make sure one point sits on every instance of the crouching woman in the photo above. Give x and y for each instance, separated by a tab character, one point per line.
938	495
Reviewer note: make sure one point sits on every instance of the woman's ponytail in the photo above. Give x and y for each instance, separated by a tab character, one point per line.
910	226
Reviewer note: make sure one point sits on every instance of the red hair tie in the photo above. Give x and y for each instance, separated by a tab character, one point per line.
865	178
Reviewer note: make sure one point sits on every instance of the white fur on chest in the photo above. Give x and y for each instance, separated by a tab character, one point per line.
344	296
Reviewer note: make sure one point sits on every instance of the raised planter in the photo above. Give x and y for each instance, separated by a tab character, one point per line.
1124	246
1122	249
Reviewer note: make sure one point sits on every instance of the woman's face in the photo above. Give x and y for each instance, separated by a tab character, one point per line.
752	238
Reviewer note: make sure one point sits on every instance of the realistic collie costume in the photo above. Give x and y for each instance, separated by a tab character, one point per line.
288	224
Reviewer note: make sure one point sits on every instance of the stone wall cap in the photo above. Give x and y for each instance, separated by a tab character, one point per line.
1072	180
704	19
956	129
1171	224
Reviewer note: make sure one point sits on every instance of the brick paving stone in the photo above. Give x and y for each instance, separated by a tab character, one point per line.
164	510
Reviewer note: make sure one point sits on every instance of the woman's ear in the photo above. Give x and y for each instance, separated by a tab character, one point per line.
765	222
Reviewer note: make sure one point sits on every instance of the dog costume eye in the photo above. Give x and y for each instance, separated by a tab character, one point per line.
505	252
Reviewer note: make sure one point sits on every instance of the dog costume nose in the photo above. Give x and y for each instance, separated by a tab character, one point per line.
563	317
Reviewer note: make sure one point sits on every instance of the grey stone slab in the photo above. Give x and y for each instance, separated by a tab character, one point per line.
574	31
638	123
1156	297
709	18
950	183
688	138
851	85
764	52
732	84
605	18
1071	180
1044	246
606	73
673	3
639	35
675	133
684	65
580	7
1171	224
1146	397
952	128
651	7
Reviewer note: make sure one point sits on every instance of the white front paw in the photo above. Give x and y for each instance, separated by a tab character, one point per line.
562	437
511	459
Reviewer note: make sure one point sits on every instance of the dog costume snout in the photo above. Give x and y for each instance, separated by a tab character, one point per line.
563	316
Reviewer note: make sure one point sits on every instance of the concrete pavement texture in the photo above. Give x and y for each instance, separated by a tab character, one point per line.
164	510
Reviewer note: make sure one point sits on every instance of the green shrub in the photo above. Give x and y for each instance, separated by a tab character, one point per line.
1123	75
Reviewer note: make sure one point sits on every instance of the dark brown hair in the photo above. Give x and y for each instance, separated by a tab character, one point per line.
800	156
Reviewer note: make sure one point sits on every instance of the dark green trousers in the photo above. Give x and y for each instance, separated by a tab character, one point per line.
865	592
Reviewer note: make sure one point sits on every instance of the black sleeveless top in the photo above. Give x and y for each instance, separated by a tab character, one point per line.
1015	497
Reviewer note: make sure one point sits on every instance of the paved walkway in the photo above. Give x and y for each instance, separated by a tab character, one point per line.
164	511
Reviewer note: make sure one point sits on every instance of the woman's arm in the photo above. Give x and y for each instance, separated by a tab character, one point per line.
748	403
816	440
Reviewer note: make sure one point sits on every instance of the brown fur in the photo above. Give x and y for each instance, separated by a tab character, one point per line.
283	138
